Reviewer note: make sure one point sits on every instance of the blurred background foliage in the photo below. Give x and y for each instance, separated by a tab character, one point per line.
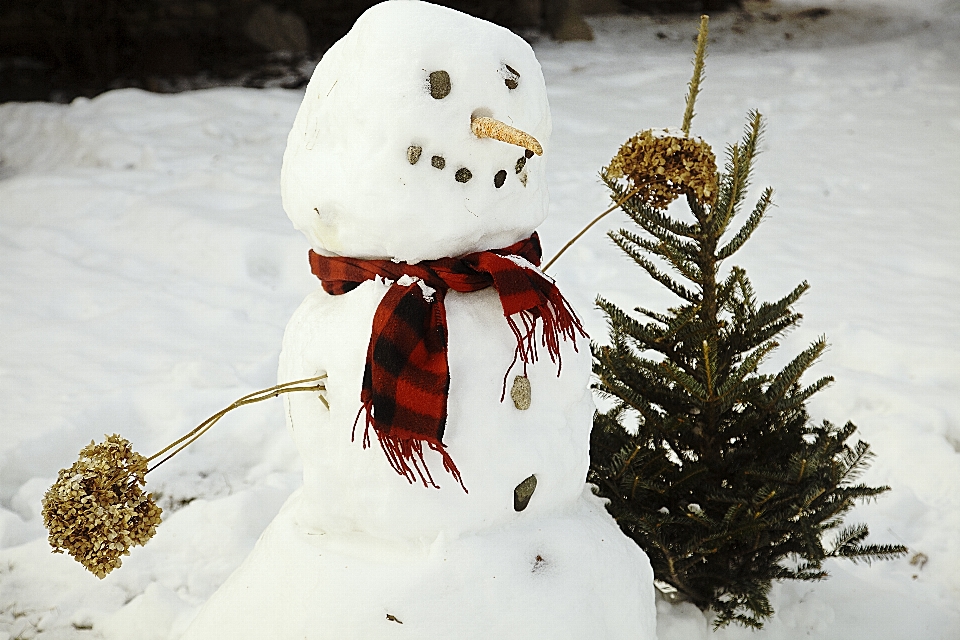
59	49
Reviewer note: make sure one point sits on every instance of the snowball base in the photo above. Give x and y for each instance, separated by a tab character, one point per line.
570	575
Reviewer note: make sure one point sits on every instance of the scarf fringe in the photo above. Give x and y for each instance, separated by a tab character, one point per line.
559	322
404	450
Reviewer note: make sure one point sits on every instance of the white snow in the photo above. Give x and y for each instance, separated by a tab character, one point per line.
149	271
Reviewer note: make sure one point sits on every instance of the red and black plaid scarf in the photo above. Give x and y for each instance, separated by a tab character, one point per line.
407	378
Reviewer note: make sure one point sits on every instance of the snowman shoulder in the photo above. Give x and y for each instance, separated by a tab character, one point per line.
325	314
326	325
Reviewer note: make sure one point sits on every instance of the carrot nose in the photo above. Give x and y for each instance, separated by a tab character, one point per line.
486	127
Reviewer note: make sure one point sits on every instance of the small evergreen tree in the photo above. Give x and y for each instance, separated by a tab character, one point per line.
711	466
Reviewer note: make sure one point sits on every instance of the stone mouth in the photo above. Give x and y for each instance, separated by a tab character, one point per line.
464	174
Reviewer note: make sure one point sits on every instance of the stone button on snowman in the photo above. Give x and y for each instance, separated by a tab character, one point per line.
444	492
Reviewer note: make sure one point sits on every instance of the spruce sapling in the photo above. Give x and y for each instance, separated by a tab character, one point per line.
713	467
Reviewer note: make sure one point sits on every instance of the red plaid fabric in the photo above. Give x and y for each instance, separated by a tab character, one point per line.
407	377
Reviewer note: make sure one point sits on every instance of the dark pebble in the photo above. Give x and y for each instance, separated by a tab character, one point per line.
439	85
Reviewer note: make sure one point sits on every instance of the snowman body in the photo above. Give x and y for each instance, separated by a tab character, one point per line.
360	551
495	445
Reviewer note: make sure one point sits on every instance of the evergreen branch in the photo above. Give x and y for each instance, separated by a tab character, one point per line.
752	134
699	210
809	571
674	576
746	151
760	329
754	601
798	466
694	86
637	210
666	245
748	366
689	384
681	263
736	178
770	312
747	293
849	536
662	318
674	226
798	398
620	322
756	217
847	544
630	385
728	195
648	336
792	372
654	272
678	323
735	294
652	221
732	512
624	464
855	461
859	492
870	552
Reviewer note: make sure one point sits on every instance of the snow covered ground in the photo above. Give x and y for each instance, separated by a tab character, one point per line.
148	272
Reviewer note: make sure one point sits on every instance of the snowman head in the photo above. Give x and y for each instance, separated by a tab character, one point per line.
390	156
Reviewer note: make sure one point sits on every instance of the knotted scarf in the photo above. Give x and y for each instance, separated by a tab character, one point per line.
406	379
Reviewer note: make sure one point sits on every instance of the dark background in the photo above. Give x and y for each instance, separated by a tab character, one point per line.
60	49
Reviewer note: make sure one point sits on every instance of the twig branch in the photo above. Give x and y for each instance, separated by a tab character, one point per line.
587	228
264	394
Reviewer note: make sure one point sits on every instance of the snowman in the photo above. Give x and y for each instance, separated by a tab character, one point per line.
444	489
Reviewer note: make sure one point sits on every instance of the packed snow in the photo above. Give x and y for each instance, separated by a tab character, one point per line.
360	549
149	272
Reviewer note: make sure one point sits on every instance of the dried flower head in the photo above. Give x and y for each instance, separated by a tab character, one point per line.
664	164
96	510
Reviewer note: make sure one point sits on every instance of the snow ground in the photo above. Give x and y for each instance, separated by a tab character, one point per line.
149	271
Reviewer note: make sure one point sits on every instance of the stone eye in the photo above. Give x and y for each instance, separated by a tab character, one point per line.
439	85
510	76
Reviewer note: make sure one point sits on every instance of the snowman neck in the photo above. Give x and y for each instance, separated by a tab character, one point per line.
408	341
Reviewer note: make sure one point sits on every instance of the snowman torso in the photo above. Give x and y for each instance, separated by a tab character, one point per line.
494	444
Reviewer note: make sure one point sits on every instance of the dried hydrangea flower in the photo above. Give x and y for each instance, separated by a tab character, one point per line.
662	164
96	510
